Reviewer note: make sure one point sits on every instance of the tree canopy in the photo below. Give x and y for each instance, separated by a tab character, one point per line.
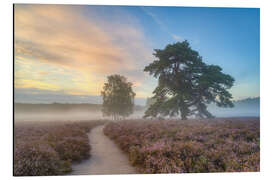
186	84
118	97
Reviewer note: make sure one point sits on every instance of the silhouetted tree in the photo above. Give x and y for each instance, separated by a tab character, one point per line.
186	84
149	102
118	97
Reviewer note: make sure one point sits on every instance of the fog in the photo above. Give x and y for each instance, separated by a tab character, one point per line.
57	116
76	112
67	116
62	112
235	112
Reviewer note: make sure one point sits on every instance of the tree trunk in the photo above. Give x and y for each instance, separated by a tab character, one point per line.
183	117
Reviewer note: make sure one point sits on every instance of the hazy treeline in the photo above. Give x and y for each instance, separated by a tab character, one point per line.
245	107
56	111
58	107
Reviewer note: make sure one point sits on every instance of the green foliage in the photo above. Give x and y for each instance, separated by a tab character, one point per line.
149	102
118	97
186	84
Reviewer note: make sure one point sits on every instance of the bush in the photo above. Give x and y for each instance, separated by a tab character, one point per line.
73	149
49	148
189	146
38	158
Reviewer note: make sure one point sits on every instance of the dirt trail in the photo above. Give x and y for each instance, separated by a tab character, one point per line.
106	157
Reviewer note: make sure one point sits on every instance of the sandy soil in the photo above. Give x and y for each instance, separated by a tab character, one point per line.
106	157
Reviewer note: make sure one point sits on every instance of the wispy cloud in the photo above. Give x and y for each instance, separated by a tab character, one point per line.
162	25
176	37
73	49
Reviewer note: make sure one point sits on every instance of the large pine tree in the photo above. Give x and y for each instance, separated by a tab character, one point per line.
186	84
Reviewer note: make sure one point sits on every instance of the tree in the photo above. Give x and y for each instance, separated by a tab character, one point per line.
149	102
118	97
186	84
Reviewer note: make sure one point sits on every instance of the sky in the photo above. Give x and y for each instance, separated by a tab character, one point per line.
64	53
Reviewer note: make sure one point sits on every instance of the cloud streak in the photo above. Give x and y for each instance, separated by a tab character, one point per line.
160	23
77	43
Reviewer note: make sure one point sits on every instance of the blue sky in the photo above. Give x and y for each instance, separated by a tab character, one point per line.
78	46
228	37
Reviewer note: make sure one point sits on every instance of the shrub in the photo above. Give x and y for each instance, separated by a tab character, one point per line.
38	158
170	146
47	148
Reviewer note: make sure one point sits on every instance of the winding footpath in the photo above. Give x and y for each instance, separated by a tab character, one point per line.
106	157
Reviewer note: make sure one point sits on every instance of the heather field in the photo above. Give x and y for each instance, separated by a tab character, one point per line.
119	89
192	146
49	148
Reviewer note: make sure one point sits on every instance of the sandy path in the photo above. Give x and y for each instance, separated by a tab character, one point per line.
106	157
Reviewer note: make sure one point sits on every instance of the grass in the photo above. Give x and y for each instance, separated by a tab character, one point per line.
193	146
49	148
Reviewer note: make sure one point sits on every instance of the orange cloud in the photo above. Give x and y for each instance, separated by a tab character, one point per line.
63	37
33	84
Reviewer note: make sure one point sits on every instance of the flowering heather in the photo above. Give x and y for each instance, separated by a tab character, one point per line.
170	146
49	148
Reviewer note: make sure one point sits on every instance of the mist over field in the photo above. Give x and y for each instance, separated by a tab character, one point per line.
64	112
242	108
76	112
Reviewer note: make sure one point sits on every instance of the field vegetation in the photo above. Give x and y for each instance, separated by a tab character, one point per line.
49	148
193	146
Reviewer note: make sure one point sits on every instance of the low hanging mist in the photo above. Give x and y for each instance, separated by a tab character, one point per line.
72	112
